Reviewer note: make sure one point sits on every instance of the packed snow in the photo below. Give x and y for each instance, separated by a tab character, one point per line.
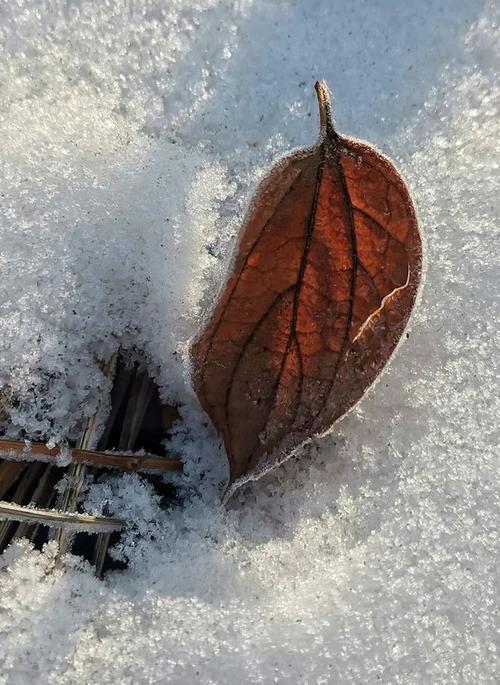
133	136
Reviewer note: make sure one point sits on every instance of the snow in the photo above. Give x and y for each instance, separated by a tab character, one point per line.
133	135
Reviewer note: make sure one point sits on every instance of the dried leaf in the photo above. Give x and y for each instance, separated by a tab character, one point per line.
321	288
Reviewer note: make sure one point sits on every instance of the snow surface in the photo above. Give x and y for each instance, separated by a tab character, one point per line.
133	135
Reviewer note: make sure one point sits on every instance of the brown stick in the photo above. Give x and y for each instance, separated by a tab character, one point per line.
16	449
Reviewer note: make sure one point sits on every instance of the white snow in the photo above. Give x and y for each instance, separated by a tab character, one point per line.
132	136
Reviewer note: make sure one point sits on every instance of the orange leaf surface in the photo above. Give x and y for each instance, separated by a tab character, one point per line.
321	287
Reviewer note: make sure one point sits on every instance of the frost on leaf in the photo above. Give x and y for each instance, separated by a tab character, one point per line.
321	287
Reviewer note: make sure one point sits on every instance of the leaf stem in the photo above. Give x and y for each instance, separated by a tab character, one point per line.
325	110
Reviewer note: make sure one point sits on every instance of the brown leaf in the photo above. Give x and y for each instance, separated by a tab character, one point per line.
321	288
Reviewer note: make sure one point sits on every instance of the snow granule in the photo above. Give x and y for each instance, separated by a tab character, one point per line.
133	135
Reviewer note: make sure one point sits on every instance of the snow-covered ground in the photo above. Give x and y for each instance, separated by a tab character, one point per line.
132	136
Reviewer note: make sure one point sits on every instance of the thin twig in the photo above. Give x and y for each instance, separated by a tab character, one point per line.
37	451
58	519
